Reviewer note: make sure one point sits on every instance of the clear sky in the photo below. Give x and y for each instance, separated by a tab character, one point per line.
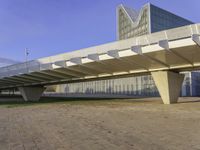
49	27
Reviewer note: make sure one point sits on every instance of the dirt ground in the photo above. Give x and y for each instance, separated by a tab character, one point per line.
144	124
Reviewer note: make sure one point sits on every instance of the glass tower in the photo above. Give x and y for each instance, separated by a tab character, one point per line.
148	20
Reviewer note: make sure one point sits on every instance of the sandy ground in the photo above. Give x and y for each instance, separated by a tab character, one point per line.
101	125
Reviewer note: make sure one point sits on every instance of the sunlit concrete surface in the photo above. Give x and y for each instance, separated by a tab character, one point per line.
169	85
138	124
173	50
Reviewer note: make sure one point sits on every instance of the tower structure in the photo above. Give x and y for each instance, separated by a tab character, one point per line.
150	19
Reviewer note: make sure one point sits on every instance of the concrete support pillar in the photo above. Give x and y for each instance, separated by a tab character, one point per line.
169	85
31	93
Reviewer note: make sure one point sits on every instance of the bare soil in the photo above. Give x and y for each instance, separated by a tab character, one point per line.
142	124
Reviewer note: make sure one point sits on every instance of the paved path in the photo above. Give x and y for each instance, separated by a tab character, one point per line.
105	125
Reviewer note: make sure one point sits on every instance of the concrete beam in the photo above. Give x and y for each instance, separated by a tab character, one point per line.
102	66
87	70
23	79
98	67
61	63
84	70
165	44
76	60
47	66
48	75
69	72
138	50
12	81
114	54
28	76
40	75
169	85
55	74
94	57
196	39
31	93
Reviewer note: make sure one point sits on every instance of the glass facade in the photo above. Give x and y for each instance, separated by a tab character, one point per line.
127	28
162	20
149	20
191	84
135	86
131	86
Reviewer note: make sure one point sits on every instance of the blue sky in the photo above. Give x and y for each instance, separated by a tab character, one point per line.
49	27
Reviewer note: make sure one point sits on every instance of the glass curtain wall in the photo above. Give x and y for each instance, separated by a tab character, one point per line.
128	28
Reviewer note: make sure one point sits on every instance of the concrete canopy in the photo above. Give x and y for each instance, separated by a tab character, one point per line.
173	50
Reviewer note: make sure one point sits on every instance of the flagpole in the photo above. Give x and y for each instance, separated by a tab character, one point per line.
26	57
26	54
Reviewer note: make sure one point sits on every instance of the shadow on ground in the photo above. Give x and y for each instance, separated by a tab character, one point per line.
14	101
18	100
189	101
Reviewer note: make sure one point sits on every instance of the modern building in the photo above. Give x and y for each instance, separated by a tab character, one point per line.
132	23
191	84
148	20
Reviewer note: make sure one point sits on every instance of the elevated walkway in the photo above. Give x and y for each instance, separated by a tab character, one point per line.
162	54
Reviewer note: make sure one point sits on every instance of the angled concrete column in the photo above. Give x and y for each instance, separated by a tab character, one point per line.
169	85
31	93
